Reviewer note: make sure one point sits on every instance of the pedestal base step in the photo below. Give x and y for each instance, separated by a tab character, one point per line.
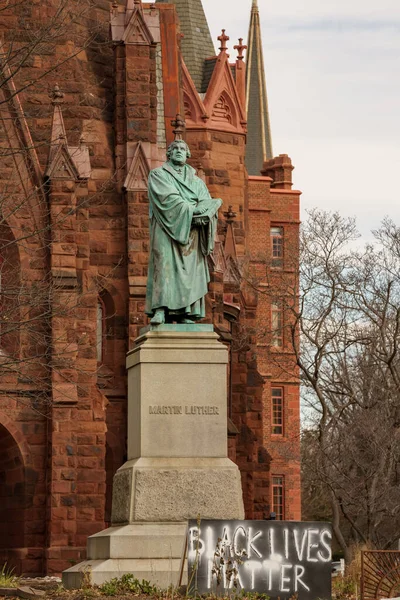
158	571
138	540
151	551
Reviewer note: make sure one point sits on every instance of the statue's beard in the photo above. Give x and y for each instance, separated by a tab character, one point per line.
178	162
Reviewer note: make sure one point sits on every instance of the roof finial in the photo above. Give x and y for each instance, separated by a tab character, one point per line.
255	5
240	48
58	134
114	8
230	215
223	39
56	95
179	127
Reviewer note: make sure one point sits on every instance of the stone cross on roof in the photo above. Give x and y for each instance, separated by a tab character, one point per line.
240	48
223	39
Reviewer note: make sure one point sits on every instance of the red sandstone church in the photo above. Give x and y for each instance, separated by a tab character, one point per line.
74	252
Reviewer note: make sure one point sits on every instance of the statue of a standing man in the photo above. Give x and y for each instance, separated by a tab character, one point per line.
183	221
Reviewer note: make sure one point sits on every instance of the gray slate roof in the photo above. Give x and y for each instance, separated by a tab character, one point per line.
208	70
197	45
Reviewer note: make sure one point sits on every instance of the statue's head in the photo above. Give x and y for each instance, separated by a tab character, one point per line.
178	152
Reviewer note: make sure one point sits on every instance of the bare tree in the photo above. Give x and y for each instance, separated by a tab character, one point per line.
343	304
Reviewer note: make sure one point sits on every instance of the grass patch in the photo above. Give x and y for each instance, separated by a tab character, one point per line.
128	584
128	587
344	588
7	577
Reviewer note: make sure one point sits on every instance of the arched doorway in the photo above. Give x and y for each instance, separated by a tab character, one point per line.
13	501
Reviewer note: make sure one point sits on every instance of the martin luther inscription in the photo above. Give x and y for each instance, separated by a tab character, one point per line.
184	410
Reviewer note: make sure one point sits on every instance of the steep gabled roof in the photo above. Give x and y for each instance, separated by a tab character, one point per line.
222	101
259	140
136	30
197	44
195	111
65	162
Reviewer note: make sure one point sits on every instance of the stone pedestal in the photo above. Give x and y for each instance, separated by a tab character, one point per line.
177	464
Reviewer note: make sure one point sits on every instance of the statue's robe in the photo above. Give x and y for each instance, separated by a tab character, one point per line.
178	273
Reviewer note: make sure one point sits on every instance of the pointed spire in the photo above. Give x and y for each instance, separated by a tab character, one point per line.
58	134
259	141
197	43
64	161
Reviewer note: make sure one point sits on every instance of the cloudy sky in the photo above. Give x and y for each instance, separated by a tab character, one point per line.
333	79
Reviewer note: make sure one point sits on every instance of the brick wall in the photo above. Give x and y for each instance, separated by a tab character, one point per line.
278	207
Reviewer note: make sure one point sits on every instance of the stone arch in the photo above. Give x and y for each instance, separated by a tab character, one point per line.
118	302
18	436
114	327
224	111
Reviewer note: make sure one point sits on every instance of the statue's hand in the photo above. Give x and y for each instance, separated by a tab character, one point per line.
200	210
199	221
